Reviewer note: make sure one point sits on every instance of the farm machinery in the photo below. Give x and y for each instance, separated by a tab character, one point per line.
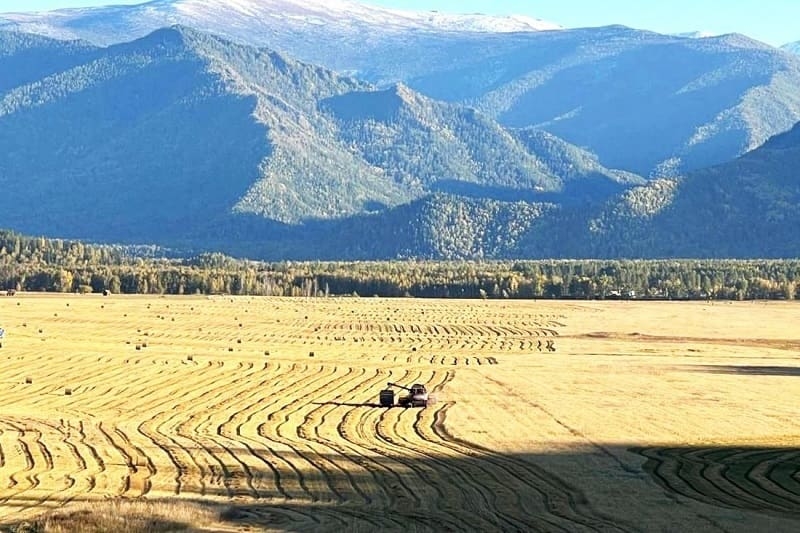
417	396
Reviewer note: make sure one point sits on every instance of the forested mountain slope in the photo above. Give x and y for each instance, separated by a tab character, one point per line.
747	208
175	135
648	103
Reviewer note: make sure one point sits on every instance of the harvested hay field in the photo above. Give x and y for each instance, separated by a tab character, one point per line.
259	414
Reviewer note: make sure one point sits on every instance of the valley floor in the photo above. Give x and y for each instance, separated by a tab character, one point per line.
549	416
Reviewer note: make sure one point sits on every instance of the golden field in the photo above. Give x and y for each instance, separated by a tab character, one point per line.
258	414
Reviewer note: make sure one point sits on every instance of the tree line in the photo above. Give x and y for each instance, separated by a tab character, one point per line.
55	265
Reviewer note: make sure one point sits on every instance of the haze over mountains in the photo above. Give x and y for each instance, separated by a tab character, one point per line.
180	127
746	208
421	135
647	103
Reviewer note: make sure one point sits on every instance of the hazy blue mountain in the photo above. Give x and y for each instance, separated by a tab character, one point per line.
465	152
652	104
27	58
436	226
746	208
647	103
584	177
792	47
180	134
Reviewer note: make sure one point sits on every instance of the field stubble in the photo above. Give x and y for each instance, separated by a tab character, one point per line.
551	416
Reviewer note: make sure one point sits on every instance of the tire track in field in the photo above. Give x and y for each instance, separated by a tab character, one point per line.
480	499
24	478
560	499
385	479
288	477
316	419
308	431
187	468
313	482
449	498
179	454
353	423
143	467
75	483
220	436
231	431
97	474
764	480
135	480
213	471
340	441
54	448
321	475
416	498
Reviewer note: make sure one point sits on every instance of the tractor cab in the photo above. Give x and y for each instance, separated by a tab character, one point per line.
418	388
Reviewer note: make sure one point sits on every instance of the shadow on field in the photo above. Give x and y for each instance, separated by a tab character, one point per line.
752	488
749	370
601	488
348	404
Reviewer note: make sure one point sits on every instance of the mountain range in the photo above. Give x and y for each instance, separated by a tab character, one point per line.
651	104
746	208
531	143
182	129
244	20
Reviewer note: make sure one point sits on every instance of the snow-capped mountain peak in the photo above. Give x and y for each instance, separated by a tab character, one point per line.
232	17
700	34
348	11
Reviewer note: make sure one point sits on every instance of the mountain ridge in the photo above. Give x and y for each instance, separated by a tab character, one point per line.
675	104
185	129
793	47
186	139
344	13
